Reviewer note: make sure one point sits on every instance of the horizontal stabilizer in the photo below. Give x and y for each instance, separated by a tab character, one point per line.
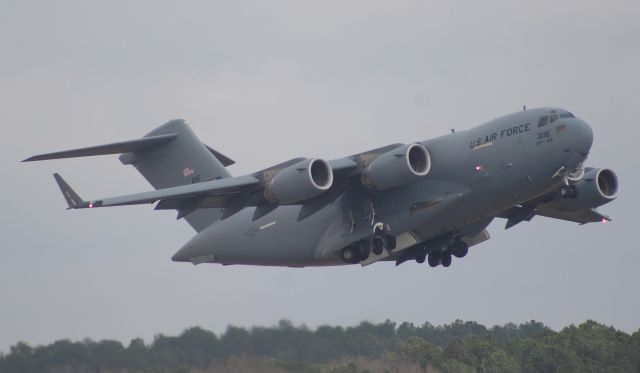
73	199
113	148
226	161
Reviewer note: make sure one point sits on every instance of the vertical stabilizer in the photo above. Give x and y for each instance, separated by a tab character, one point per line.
182	161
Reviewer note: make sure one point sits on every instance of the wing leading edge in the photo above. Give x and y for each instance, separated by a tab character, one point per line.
216	188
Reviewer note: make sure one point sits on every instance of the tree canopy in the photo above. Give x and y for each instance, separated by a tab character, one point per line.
368	347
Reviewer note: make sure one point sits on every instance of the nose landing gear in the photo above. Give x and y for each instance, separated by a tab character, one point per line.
568	191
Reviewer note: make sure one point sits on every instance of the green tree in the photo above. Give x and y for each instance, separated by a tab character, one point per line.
136	355
420	352
483	353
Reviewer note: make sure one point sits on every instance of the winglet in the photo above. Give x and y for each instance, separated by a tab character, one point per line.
73	200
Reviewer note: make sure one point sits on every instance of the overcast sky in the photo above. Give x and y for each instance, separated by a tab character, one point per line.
263	82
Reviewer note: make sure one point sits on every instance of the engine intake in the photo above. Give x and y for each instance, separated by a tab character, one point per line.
397	167
607	183
299	182
595	188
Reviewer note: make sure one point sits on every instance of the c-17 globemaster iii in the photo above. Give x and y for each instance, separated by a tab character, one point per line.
428	200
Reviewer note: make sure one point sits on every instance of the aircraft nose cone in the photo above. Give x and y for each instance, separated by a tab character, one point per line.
583	135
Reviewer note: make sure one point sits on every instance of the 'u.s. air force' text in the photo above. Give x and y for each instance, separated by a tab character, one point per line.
491	137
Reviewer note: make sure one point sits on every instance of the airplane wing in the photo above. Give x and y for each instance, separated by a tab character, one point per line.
233	194
223	188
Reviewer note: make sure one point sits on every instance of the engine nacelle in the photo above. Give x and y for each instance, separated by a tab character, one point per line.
397	167
597	187
299	182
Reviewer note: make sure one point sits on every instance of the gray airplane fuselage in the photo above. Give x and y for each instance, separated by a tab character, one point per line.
475	175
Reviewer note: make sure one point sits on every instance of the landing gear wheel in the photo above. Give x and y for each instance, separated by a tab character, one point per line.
377	245
461	251
433	259
568	191
421	257
349	255
364	250
390	242
446	259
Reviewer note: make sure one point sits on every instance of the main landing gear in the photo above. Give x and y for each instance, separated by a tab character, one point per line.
359	251
459	249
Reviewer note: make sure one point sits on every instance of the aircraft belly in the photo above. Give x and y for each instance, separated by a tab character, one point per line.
275	239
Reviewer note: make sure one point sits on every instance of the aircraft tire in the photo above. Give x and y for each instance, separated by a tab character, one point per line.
390	242
461	250
421	257
349	255
573	192
377	245
568	191
446	259
364	250
433	259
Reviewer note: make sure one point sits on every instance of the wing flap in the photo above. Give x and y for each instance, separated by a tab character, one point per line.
580	216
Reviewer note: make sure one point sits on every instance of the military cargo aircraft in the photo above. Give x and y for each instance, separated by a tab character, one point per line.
424	201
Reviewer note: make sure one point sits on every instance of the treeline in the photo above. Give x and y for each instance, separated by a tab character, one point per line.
368	347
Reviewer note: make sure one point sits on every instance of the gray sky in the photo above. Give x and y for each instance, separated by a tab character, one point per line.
263	82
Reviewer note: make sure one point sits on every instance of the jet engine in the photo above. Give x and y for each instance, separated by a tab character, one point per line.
299	182
597	187
397	167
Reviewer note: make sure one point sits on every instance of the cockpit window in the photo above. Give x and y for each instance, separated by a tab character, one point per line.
567	115
543	121
553	118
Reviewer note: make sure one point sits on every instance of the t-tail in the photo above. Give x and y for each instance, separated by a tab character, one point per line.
169	156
